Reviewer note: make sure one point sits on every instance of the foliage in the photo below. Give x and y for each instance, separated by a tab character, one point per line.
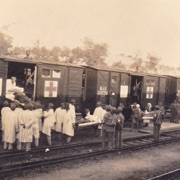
118	65
5	44
153	62
94	53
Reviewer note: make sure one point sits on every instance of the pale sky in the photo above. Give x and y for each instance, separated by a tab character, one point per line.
127	26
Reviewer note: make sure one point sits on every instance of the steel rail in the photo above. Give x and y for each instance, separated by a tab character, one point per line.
10	169
171	174
61	147
18	153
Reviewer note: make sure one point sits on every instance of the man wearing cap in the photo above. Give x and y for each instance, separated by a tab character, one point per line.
72	107
119	127
25	120
158	116
10	127
37	115
110	124
68	124
49	121
59	119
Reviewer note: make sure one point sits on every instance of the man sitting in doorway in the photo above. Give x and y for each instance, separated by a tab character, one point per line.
11	88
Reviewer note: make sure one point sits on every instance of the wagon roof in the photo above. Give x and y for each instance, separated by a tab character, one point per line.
135	73
32	61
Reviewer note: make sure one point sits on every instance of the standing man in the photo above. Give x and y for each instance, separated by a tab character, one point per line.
158	116
37	115
4	111
68	123
59	119
49	121
99	112
119	127
25	127
173	111
72	108
110	124
10	127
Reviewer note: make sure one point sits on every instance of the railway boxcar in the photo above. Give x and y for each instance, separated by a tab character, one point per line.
43	80
114	86
173	89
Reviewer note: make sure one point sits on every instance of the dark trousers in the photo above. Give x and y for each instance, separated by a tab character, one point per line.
157	132
104	138
108	139
118	138
111	140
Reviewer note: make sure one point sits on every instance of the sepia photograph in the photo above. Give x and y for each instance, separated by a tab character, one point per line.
89	90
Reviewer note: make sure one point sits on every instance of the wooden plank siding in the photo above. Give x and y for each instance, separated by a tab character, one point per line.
150	81
172	89
75	82
125	80
114	89
90	84
3	75
103	86
162	90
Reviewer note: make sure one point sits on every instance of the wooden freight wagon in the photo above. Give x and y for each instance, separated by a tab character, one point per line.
114	86
43	80
106	85
173	89
154	89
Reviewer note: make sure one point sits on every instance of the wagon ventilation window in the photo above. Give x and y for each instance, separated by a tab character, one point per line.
56	73
51	73
46	73
114	79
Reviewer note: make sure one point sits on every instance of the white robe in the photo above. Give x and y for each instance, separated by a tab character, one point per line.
37	114
72	109
49	120
4	111
59	118
18	111
68	128
25	118
10	127
99	112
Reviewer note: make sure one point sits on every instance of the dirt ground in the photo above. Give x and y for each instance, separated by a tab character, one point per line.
141	164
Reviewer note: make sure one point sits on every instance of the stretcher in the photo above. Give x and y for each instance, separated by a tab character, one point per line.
86	124
147	117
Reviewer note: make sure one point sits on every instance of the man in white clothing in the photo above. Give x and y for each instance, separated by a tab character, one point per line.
4	111
99	112
37	115
72	107
11	88
49	121
59	119
68	123
25	126
10	127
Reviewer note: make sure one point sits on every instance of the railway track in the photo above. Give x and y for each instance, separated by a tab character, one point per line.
18	153
172	175
129	144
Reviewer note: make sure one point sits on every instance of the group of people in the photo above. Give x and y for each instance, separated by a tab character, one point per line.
137	113
23	125
110	126
175	111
